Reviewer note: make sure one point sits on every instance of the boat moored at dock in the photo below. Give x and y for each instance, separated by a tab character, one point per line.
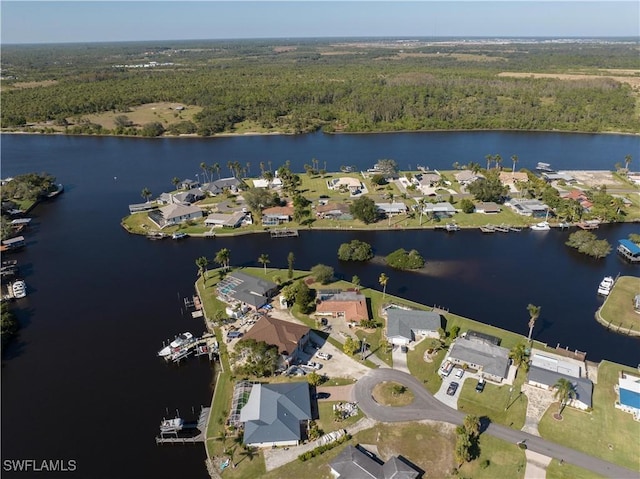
180	341
605	285
19	289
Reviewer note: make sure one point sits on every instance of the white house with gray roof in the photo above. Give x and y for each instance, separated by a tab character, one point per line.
489	359
274	413
355	462
404	325
174	214
246	289
546	369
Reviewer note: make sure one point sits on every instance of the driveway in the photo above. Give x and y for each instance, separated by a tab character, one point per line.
426	406
399	359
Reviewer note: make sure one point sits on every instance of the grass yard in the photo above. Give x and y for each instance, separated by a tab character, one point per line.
606	432
327	423
493	401
427	372
569	471
392	394
163	113
498	459
618	307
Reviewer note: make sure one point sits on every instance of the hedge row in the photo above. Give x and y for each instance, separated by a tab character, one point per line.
320	449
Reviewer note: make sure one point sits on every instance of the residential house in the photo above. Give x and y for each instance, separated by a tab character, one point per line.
188	184
581	197
488	208
174	214
427	180
441	210
290	338
558	176
526	207
188	197
246	289
392	209
224	220
353	185
334	211
545	369
350	305
355	462
511	179
466	177
405	325
263	183
277	215
628	389
490	360
274	414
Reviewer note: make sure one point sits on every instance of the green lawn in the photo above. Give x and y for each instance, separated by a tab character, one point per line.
327	423
386	393
505	460
493	401
424	371
606	432
618	307
569	471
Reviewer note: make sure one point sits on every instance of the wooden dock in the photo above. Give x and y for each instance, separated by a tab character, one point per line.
588	225
284	233
200	426
487	229
501	228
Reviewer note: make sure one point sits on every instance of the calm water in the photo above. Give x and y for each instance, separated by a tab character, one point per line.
82	381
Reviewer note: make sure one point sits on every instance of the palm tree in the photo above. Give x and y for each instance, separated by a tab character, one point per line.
202	263
263	260
356	281
204	168
391	197
216	167
261	168
421	203
248	167
383	280
534	313
290	260
514	158
489	159
146	193
498	161
627	162
248	452
519	355
564	393
222	258
176	181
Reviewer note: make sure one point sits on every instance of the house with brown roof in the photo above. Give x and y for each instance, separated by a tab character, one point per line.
350	305
334	211
487	208
290	338
277	215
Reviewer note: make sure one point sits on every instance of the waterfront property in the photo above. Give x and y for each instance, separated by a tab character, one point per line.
441	210
628	389
353	185
290	338
274	414
333	211
487	208
174	214
629	250
405	326
224	220
348	305
466	177
532	207
546	369
355	462
391	209
277	215
491	360
241	288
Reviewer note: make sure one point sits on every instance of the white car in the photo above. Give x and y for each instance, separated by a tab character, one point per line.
459	372
314	365
322	355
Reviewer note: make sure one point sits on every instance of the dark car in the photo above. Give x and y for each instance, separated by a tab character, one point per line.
480	386
453	387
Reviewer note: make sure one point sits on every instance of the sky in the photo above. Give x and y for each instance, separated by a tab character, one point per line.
28	21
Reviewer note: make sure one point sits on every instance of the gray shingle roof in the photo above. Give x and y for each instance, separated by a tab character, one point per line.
355	463
404	323
493	359
274	411
582	386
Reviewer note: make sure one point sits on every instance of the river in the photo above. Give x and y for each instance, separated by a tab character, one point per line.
82	382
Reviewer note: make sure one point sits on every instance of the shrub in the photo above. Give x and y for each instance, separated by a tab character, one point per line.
320	449
355	251
402	259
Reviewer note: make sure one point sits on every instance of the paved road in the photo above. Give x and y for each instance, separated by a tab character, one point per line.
425	406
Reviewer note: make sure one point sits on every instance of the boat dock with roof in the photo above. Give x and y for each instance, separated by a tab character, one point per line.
177	431
629	250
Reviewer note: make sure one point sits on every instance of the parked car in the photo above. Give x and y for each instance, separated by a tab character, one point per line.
480	386
322	355
313	365
234	334
453	387
446	369
459	372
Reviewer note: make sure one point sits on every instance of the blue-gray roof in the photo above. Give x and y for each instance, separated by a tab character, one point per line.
582	386
358	463
405	323
493	359
274	411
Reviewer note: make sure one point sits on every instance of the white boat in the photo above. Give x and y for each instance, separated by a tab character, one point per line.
19	289
177	236
542	226
605	286
181	340
171	425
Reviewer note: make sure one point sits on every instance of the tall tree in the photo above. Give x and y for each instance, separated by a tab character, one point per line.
383	280
205	170
222	258
216	167
146	193
627	162
489	159
534	313
264	260
290	260
176	181
564	392
514	158
518	355
498	161
471	424
202	263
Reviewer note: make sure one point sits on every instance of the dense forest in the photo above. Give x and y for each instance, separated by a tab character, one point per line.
301	86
